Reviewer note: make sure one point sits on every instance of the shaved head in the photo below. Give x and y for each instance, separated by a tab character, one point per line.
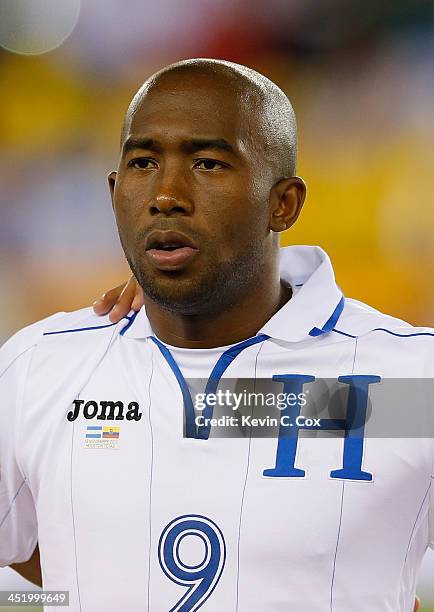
271	116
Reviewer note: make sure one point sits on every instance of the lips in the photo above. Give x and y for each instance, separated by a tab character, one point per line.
169	250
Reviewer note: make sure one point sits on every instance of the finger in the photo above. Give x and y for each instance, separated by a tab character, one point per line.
105	303
416	604
123	304
138	298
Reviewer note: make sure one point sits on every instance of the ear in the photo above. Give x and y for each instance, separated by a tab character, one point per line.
286	199
112	182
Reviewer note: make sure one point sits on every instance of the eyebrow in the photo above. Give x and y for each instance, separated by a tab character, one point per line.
189	146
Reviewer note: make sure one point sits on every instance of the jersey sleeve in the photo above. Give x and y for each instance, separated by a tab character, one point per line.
18	525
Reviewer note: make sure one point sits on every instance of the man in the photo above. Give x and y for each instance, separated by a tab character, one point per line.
135	504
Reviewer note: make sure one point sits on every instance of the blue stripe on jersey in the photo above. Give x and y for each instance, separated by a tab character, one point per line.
224	361
331	322
78	329
130	322
337	546
190	427
389	331
403	335
68	331
343	333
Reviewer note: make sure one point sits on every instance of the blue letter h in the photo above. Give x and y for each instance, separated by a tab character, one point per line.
353	425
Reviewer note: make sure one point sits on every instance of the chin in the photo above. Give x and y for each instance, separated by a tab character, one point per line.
182	296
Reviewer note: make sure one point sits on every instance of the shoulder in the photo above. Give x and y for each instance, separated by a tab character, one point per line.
83	320
360	319
23	340
386	334
83	325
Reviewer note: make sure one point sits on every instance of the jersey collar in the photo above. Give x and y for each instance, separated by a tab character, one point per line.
313	310
317	301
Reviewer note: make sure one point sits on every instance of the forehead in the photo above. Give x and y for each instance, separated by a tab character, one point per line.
184	106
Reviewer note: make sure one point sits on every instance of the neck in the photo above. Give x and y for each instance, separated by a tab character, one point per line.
241	321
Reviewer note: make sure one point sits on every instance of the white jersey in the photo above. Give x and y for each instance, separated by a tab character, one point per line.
131	514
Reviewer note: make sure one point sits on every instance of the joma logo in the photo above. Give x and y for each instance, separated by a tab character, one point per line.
105	410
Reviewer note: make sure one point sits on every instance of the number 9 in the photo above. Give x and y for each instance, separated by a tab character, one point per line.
201	578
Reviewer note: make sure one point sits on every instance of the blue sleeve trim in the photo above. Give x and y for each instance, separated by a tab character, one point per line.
69	331
79	329
331	322
402	335
388	331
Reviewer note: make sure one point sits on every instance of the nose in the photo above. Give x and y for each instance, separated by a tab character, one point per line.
169	204
172	196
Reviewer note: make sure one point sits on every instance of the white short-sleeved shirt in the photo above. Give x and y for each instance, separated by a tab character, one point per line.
132	515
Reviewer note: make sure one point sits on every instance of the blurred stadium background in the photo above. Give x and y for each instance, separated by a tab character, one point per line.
361	78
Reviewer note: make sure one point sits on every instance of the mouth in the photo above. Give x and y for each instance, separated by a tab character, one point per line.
168	250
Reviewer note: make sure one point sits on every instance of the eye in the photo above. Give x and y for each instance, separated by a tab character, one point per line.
209	164
142	163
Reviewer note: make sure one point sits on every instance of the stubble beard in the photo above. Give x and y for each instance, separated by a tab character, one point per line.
219	287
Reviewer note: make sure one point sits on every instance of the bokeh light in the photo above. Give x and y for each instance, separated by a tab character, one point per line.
33	27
